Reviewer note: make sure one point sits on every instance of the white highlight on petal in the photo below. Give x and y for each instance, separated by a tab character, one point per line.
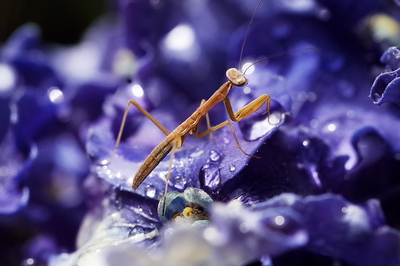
137	90
248	67
331	127
279	220
7	77
180	43
180	38
55	95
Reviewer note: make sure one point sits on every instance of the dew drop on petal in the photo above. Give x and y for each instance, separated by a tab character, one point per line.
288	227
279	220
210	176
214	156
179	182
30	261
331	127
150	191
232	168
55	95
137	90
139	230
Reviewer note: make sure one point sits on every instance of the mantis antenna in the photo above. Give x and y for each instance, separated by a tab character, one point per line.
247	33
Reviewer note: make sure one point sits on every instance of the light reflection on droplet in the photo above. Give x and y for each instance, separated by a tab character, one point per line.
179	182
246	90
344	209
232	168
305	143
279	220
104	162
30	261
55	95
248	68
180	38
214	156
137	90
300	4
150	191
8	77
332	127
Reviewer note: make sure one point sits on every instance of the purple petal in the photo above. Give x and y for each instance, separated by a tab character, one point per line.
386	88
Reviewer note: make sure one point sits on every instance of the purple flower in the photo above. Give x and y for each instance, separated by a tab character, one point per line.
322	187
385	87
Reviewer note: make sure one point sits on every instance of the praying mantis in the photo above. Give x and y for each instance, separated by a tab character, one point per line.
174	139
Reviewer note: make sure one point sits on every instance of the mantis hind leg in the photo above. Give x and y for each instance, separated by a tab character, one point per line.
147	114
207	120
171	159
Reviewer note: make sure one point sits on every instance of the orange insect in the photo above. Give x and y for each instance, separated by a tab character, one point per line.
175	139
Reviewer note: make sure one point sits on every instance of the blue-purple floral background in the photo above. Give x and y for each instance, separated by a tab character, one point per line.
327	186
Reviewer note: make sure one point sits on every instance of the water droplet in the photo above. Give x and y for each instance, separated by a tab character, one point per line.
150	191
139	230
118	205
232	168
179	182
331	127
139	209
210	176
214	156
286	226
315	175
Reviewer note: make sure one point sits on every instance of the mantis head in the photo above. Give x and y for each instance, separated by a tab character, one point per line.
236	77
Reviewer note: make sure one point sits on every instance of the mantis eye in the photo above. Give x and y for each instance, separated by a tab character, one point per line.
237	78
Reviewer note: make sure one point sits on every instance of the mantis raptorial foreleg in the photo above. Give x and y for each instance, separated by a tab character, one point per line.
248	109
239	115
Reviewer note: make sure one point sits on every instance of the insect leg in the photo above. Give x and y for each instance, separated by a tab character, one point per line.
171	159
207	119
225	123
147	114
